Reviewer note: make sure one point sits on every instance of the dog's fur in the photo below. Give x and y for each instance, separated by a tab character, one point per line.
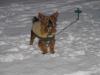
44	28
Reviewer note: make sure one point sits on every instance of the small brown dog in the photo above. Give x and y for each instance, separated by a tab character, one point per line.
44	28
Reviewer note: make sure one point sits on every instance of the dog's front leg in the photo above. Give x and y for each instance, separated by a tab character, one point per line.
32	37
42	46
52	45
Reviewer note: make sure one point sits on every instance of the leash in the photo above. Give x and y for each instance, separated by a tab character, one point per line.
77	11
67	27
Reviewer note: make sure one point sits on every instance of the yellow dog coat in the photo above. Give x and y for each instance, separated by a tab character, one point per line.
36	28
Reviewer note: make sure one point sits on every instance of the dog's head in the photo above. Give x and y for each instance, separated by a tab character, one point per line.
48	23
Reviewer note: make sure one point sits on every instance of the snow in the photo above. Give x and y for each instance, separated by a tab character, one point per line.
11	57
23	46
2	43
77	48
80	73
13	49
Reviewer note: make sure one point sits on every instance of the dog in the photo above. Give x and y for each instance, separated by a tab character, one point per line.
44	28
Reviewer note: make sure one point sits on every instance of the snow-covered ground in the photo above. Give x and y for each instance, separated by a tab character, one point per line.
77	48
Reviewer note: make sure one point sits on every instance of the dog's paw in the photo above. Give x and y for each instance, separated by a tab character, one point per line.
44	52
52	52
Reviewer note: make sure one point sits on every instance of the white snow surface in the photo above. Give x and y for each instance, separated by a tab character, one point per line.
77	48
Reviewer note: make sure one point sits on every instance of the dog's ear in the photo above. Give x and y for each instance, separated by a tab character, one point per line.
55	14
41	16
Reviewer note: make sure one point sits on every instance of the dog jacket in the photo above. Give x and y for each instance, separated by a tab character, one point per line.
36	28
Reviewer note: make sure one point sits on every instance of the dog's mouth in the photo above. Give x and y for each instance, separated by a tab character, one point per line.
51	30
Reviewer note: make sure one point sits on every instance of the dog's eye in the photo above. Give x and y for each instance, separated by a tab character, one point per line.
53	23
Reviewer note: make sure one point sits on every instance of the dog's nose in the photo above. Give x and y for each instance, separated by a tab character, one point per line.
49	23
